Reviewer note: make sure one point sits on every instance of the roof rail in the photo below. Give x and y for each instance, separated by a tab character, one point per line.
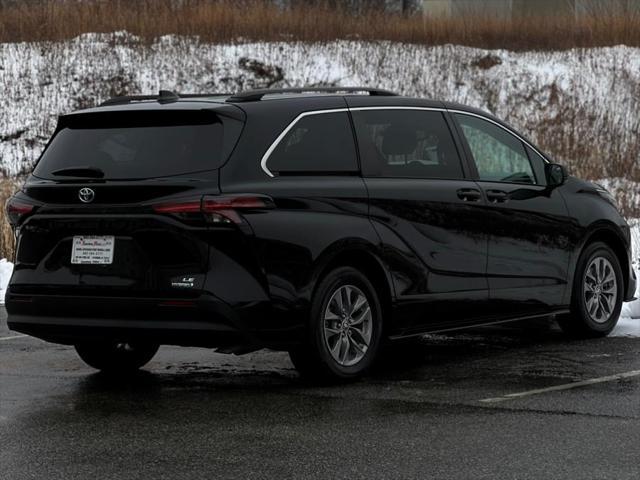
164	96
255	95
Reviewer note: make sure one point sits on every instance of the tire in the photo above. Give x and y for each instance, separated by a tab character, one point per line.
596	299
334	347
116	357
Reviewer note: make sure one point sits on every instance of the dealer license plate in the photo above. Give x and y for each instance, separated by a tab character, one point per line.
92	250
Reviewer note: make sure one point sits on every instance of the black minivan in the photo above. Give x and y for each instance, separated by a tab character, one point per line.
322	222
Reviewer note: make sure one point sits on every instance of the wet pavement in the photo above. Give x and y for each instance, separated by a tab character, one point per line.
436	409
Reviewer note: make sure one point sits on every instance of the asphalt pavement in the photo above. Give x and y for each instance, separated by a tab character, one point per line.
514	402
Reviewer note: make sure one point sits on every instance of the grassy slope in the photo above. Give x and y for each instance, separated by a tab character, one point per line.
605	24
578	105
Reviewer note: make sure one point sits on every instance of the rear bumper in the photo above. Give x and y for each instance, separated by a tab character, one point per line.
204	321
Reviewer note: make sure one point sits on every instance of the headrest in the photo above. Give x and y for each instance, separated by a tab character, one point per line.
399	139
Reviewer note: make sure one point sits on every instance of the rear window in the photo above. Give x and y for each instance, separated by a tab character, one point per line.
131	145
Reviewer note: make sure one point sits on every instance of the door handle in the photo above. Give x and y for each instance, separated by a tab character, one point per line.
497	196
469	195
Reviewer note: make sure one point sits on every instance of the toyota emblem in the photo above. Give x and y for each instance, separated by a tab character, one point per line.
86	195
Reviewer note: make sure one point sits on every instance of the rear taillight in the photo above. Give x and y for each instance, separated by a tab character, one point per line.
218	209
194	206
17	210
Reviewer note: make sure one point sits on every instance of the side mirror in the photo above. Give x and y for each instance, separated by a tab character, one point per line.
556	174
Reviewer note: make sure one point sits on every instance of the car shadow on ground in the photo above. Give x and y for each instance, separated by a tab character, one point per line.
409	359
462	346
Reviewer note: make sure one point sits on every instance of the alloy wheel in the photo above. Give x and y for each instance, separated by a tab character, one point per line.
348	325
600	289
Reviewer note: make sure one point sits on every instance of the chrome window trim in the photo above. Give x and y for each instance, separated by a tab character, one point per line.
434	109
276	142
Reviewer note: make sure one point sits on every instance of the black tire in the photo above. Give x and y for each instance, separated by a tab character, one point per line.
314	359
580	323
115	357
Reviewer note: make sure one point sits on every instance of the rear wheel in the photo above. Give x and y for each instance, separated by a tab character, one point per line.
597	294
344	328
116	356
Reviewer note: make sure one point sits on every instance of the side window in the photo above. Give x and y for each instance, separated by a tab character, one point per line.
406	144
499	156
316	143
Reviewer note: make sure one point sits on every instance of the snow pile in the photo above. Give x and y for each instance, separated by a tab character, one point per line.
6	269
561	99
627	327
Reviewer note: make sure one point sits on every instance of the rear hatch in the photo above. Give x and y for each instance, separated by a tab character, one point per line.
96	217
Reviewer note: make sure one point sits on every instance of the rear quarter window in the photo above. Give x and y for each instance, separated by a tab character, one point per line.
134	144
316	143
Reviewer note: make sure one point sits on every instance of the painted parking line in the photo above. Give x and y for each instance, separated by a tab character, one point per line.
566	386
13	337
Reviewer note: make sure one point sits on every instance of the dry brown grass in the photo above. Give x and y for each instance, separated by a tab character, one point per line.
225	21
7	188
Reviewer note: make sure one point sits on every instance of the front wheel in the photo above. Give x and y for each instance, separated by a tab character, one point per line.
344	329
115	356
597	294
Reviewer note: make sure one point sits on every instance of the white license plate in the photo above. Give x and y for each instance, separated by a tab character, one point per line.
92	250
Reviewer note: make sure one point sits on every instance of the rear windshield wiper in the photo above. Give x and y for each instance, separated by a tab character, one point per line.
86	172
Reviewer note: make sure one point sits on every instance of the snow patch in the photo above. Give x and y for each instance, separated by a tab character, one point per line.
534	91
627	327
629	324
6	269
